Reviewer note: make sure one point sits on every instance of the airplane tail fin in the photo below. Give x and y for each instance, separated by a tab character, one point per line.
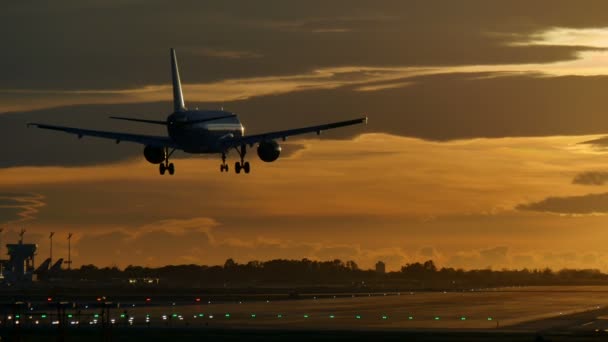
178	97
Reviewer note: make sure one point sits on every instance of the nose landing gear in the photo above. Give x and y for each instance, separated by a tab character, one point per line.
224	166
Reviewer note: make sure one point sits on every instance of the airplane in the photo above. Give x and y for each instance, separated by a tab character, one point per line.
200	131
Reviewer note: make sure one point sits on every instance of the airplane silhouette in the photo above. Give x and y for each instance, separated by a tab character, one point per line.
200	131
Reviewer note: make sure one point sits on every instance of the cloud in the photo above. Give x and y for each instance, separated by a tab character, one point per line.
18	208
586	204
224	53
591	178
495	257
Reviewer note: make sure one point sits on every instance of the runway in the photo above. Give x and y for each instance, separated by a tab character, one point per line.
490	309
479	314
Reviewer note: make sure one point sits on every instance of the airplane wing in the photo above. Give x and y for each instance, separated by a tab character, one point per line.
116	136
253	139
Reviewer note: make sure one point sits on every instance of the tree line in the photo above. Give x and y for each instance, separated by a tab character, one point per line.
334	273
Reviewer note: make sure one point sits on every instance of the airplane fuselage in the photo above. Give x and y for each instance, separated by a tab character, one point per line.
203	137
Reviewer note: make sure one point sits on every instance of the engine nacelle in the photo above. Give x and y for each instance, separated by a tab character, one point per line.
154	155
269	151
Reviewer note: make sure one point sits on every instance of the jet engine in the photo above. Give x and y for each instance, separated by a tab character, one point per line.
154	154
269	151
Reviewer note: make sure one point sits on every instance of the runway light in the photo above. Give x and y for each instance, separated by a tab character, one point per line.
332	316
174	315
197	300
490	318
358	316
43	316
279	316
463	318
227	315
148	300
437	318
201	315
70	315
122	315
305	316
253	315
49	299
17	316
384	317
96	315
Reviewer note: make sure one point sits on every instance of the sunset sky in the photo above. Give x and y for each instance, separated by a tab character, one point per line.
487	142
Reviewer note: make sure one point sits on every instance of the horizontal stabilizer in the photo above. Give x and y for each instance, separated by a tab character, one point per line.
156	122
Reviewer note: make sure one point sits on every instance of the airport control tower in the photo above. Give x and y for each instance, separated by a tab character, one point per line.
20	264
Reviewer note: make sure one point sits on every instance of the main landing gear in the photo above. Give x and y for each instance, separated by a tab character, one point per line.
238	166
165	165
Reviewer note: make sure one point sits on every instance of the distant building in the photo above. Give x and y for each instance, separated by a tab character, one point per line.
380	267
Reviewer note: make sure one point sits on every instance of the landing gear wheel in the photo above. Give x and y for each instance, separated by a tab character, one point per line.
237	167
171	169
161	169
246	167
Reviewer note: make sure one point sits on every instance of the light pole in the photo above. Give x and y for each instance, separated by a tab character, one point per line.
69	251
51	256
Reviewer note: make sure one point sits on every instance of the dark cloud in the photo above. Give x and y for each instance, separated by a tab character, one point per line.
124	44
591	178
441	107
599	143
586	204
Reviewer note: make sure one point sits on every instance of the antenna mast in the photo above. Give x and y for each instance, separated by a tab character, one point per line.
51	238
21	233
69	262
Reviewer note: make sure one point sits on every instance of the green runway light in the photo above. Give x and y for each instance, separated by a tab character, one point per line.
70	315
437	318
174	315
201	315
384	317
463	318
96	315
279	316
227	315
490	318
410	318
358	317
122	315
332	316
253	316
305	316
43	316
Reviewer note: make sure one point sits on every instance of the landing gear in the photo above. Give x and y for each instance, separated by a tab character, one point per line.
242	165
224	166
165	165
238	166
